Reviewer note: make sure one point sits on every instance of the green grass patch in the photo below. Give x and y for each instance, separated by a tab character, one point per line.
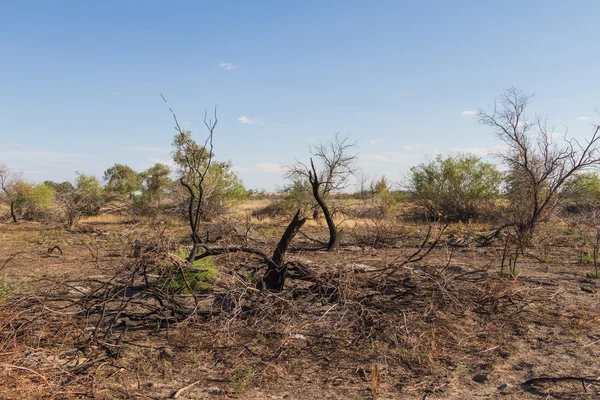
586	257
198	279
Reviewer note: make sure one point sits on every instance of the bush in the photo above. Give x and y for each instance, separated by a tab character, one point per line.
84	198
454	188
296	195
37	202
581	192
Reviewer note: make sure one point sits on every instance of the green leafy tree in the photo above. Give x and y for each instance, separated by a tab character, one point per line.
156	181
454	188
83	198
41	199
35	202
207	183
214	183
59	187
156	189
123	181
382	187
582	191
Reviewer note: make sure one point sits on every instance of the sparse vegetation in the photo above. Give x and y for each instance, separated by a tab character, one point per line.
233	292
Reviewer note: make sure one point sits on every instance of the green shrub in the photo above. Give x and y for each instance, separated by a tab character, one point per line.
37	202
296	195
454	188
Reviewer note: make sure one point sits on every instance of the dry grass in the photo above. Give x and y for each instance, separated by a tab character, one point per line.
104	324
105	219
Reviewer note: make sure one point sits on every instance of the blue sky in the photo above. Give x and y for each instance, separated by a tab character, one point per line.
80	82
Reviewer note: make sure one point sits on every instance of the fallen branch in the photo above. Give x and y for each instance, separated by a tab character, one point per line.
232	249
581	379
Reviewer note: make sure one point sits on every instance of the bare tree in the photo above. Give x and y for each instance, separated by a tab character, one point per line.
9	182
335	164
538	164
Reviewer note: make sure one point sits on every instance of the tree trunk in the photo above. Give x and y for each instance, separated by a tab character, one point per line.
12	211
276	269
326	213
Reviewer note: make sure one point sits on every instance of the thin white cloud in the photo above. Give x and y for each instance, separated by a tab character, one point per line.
228	66
469	112
245	120
583	118
374	141
250	121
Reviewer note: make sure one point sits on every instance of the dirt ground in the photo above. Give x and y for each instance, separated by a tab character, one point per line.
445	327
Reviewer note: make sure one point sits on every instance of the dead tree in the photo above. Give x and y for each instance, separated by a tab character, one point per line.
276	268
538	164
337	163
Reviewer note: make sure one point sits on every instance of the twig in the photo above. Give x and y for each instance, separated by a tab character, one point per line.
183	389
9	259
28	370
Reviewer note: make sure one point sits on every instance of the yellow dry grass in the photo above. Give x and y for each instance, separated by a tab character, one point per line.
105	219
